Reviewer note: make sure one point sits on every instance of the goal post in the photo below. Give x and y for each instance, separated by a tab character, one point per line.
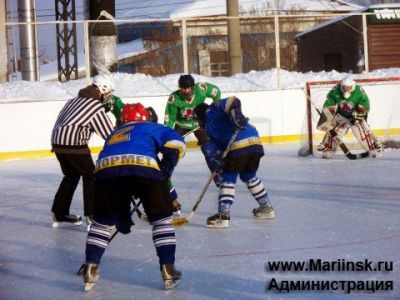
383	118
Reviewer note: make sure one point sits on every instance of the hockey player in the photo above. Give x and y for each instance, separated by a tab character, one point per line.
129	166
220	121
347	106
180	106
111	102
78	119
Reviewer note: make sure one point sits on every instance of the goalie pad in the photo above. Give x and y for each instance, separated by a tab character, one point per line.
326	120
365	137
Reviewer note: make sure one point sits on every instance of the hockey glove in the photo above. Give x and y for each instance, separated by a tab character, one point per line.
108	103
124	227
238	118
166	168
217	163
358	116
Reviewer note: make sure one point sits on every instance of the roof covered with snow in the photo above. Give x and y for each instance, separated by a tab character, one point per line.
195	8
337	19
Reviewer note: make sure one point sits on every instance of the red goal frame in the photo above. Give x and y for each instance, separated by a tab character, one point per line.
310	84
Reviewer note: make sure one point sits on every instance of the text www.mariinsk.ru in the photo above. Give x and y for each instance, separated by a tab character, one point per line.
319	265
329	284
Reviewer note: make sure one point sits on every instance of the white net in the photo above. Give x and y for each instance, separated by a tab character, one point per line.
383	118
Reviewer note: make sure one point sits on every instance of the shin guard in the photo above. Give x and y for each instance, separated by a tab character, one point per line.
257	190
97	241
164	239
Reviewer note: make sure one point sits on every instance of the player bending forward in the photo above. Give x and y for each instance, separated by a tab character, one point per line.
221	120
180	106
347	106
128	167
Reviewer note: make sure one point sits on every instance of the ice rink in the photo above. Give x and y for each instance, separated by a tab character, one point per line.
325	209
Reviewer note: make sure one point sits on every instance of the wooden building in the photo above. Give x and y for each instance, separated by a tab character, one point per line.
339	45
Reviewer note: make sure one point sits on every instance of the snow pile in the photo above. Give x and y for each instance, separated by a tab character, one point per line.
141	85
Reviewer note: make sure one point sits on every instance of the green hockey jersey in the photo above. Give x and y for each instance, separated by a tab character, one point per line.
114	105
180	111
358	100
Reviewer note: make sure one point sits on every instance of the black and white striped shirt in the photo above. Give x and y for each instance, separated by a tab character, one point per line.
77	120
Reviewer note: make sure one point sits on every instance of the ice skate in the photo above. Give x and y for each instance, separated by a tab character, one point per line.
177	208
264	212
325	151
73	219
89	222
376	152
90	273
170	276
218	221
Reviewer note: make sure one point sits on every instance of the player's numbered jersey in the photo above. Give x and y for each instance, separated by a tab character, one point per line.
180	111
132	150
220	129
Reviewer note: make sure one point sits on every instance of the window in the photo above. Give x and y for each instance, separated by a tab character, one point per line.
219	63
130	69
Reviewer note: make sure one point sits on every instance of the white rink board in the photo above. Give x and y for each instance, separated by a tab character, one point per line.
27	126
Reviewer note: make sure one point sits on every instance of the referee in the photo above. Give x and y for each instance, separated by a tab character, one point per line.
78	119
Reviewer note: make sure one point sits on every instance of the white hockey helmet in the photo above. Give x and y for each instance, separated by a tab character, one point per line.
104	83
347	85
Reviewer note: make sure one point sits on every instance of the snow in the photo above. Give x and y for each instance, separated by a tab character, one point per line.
329	209
156	9
137	85
325	209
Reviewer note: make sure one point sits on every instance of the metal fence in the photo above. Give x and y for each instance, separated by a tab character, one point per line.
159	47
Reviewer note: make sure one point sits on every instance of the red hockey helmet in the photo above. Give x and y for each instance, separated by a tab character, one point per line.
135	112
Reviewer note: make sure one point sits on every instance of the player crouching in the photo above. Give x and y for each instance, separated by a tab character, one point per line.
128	166
346	107
221	120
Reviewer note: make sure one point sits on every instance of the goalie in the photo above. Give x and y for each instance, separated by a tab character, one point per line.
347	106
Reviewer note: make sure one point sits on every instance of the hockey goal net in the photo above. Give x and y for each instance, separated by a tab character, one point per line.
383	118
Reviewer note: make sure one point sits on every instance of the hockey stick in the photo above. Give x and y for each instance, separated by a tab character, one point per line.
137	210
346	150
181	221
341	144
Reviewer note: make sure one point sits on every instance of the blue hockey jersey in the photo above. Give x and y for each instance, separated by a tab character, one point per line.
133	149
220	129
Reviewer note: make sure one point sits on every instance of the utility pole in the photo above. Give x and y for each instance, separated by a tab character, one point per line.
235	50
3	43
27	37
67	50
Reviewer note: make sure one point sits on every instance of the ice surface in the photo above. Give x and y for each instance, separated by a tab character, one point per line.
328	209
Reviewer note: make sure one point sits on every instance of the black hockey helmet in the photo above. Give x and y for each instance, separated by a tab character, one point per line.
199	114
186	81
152	115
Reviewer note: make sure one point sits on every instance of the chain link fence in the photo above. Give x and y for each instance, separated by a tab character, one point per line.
296	43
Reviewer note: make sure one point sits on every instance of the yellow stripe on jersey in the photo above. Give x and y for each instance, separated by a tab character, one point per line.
245	143
229	103
178	145
127	160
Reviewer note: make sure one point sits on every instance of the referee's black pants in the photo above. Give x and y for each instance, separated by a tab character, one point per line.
73	166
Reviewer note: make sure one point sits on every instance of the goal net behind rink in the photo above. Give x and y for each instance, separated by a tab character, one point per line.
384	115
